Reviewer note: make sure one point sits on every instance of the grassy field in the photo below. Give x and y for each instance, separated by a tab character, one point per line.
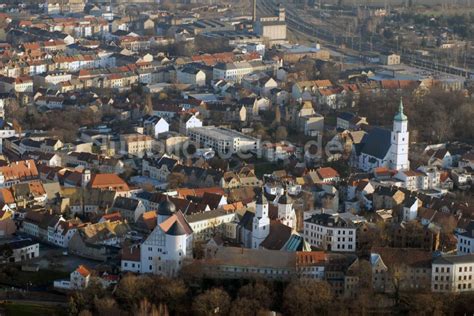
27	309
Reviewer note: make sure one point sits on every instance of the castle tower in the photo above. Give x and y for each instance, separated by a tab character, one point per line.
286	212
166	208
261	222
400	136
86	177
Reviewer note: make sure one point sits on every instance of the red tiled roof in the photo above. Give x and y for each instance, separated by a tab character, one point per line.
20	170
83	271
306	258
327	172
108	180
116	216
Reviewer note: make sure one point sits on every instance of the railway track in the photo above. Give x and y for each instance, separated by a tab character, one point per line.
340	43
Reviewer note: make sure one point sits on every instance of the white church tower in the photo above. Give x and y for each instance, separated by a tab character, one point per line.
261	222
286	212
399	147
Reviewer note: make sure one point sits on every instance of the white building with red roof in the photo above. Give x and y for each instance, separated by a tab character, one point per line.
169	244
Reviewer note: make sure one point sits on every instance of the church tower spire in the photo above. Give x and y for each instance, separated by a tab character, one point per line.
400	138
400	116
261	221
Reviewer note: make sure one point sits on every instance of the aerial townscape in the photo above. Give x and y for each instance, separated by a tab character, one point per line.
252	157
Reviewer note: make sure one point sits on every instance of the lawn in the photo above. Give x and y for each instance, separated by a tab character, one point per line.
27	309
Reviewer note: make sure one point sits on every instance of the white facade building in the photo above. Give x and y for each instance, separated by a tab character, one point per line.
155	125
410	208
165	249
236	71
191	75
330	232
191	121
223	140
466	240
22	250
207	224
453	274
286	212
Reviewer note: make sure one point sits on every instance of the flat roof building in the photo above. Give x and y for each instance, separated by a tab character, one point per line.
223	140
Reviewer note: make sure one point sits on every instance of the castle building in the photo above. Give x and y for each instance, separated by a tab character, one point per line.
384	148
169	244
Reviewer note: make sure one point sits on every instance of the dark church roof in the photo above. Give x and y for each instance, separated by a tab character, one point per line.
166	207
376	143
176	229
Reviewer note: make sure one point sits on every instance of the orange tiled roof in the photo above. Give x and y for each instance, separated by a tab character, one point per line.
327	172
112	217
83	271
19	170
304	258
7	196
108	180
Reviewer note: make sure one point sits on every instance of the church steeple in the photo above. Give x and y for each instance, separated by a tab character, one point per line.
400	116
400	137
261	221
